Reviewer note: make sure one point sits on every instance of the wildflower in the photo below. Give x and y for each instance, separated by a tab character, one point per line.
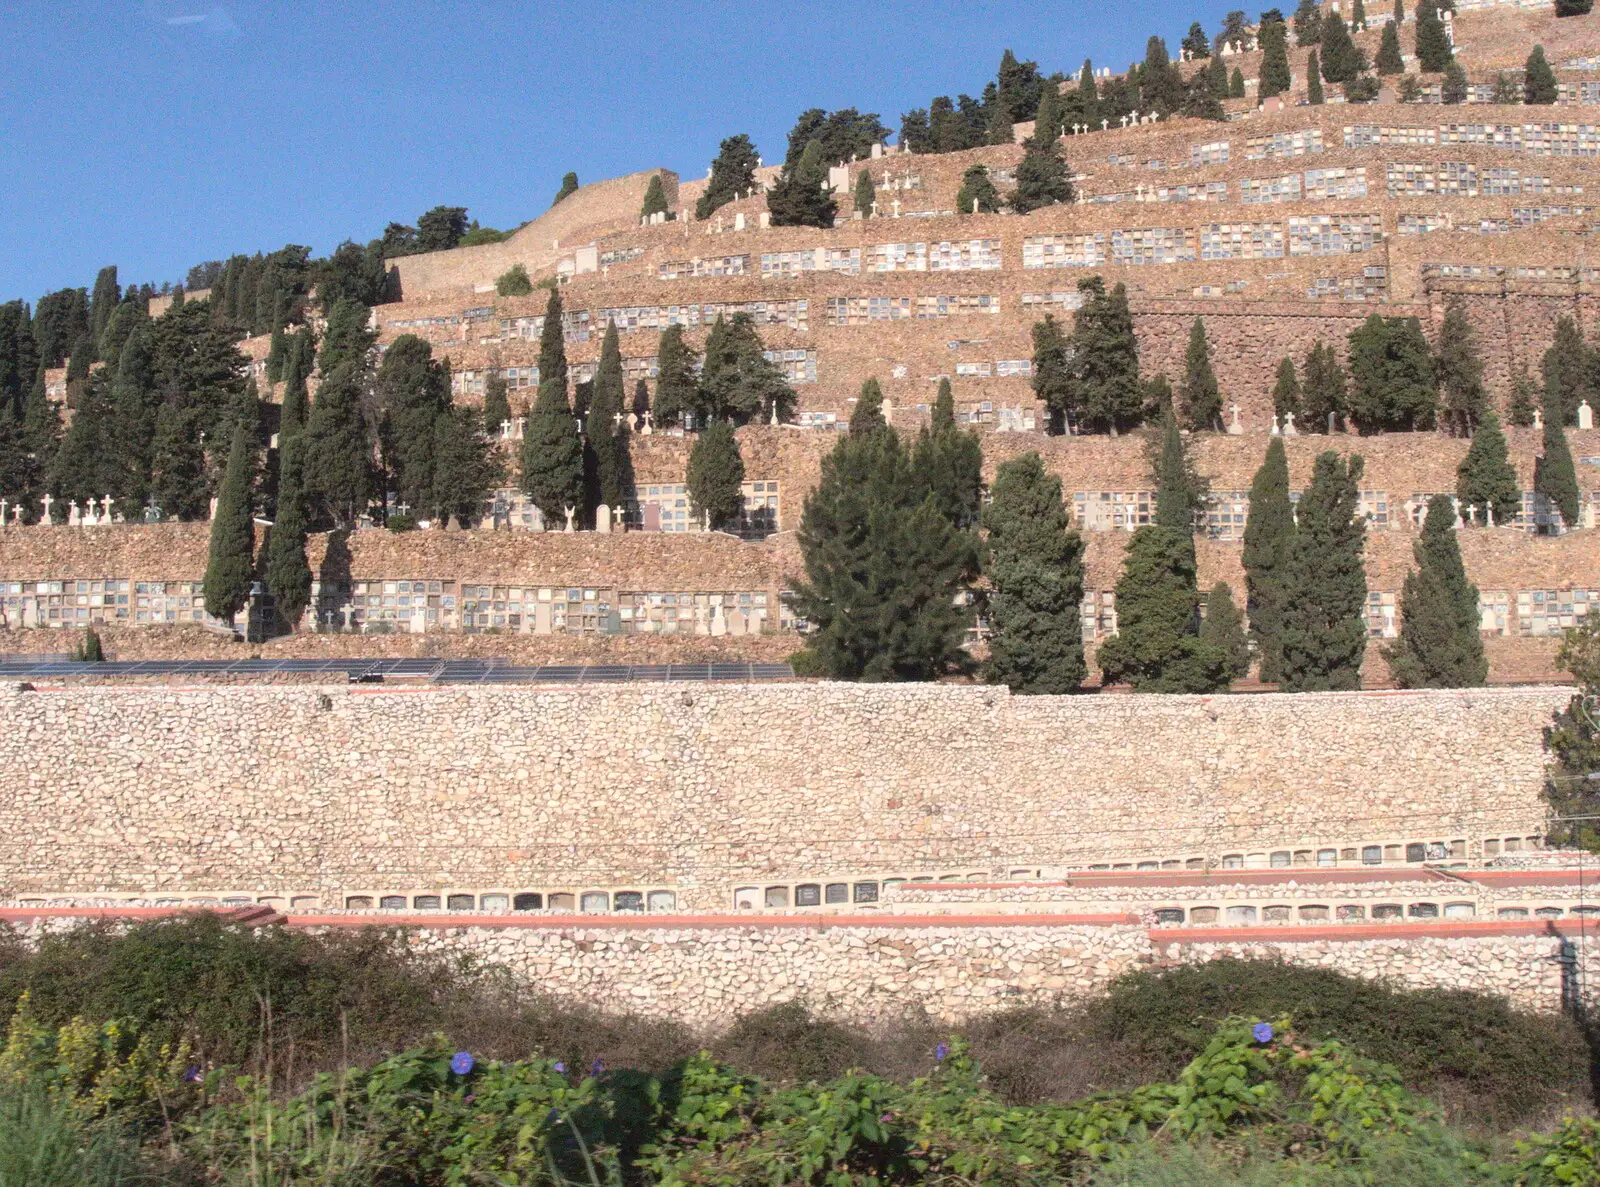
193	1075
597	1067
561	1067
1262	1032
941	1051
461	1063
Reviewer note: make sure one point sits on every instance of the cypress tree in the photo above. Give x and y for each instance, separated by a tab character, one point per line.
716	476
676	391
277	354
1454	88
655	198
1433	43
977	194
867	415
732	173
738	382
1400	12
41	434
607	439
641	400
87	465
1439	644
1047	121
1486	478
1157	647
1286	392
90	651
1236	84
1036	570
1507	91
1389	60
338	454
1104	392
552	455
1180	491
1524	399
1324	630
1052	377
1202	398
1392	379
1573	7
553	344
1554	475
1538	80
866	194
136	401
1358	16
569	186
802	197
1324	389
496	403
1341	60
288	575
1160	86
1088	94
1273	38
1217	78
412	390
346	339
1043	178
296	398
1566	367
1268	543
177	463
1314	95
1223	629
231	560
949	463
1460	370
882	569
467	467
107	295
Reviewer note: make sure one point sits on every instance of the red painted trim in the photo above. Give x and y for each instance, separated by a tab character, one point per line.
579	922
1359	931
1302	875
1559	877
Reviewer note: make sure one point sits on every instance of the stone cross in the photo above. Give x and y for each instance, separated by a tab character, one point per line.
1585	415
16	516
633	422
47	501
1105	125
570	515
706	520
1488	514
616	420
522	423
896	205
1235	428
1538	418
775	421
1288	425
347	610
74	518
505	429
874	208
105	516
1275	430
1472	516
3	505
649	423
1124	121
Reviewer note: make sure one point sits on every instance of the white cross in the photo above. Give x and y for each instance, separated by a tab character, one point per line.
47	501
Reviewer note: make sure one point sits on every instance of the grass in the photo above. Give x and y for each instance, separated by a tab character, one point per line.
45	1143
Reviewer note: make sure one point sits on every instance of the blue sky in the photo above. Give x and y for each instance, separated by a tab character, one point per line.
154	134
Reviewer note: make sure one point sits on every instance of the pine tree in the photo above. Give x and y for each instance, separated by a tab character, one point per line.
338	455
949	463
1236	84
732	173
231	561
1324	393
1341	60
882	570
1390	60
1043	178
1202	398
1538	80
1392	379
1324	631
1223	629
676	388
1358	16
1433	43
1314	95
1554	475
738	382
1573	7
1157	647
1273	38
1524	399
496	403
802	197
87	464
1439	644
1308	23
655	198
1047	120
177	463
288	575
1454	88
608	440
1486	478
467	467
866	194
1035	570
1196	44
1052	376
1268	544
1507	91
552	455
716	477
1286	393
867	415
569	186
1105	394
1460	371
977	194
1567	367
1217	78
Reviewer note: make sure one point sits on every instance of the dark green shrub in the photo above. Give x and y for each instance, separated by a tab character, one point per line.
788	1043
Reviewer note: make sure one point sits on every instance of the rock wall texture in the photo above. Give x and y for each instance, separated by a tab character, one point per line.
288	790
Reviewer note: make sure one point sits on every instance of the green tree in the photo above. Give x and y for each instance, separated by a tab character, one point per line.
1341	60
1104	394
1324	631
1157	647
1047	122
867	415
231	561
107	295
1236	84
732	173
802	196
1160	83
1286	399
1439	644
676	389
1052	374
1390	60
1018	87
882	569
496	403
1433	43
716	476
288	575
866	194
977	194
738	382
1525	397
1486	479
136	402
1043	178
1507	91
1568	367
1202	398
1460	370
1268	544
1314	94
553	344
1217	78
441	228
514	282
338	454
1454	88
655	199
87	464
347	339
1035	570
552	455
411	391
1180	491
1273	38
1554	475
569	186
1358	16
1196	44
1573	7
1088	94
949	463
1392	379
177	462
1308	23
608	440
1538	80
1573	740
1223	629
467	467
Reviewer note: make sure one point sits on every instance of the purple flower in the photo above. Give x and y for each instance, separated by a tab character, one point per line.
941	1051
886	1118
461	1063
597	1067
1262	1032
561	1067
193	1075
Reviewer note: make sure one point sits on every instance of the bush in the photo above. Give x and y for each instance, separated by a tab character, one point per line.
401	523
513	282
44	1142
